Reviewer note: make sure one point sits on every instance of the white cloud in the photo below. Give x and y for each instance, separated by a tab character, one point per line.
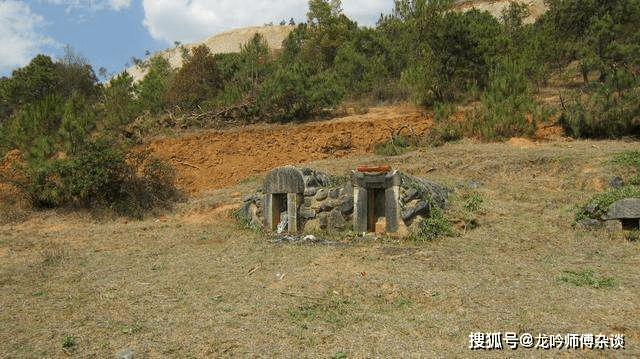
191	20
20	40
90	5
119	4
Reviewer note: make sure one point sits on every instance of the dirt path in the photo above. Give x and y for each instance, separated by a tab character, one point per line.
216	159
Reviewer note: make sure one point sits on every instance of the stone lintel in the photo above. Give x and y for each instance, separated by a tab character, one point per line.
375	180
286	179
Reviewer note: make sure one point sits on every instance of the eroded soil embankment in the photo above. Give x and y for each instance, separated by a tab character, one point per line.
215	159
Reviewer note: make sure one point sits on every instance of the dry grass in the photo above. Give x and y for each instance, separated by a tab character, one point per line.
191	284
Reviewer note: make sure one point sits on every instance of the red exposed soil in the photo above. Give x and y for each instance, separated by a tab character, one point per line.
216	159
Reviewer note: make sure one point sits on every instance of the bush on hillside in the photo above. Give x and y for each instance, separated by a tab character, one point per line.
602	114
102	175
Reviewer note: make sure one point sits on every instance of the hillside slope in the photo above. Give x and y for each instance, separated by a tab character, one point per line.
495	7
225	42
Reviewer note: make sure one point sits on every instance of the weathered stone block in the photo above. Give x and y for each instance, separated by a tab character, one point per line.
336	220
591	209
293	202
308	213
421	208
411	194
334	193
616	182
392	208
321	195
626	208
323	220
588	223
613	225
360	209
346	206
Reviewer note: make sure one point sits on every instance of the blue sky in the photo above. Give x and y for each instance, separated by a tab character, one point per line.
110	32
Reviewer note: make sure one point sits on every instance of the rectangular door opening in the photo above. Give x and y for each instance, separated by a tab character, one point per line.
375	207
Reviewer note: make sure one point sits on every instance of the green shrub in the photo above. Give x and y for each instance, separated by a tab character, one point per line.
394	147
69	342
436	225
99	175
196	81
602	114
432	227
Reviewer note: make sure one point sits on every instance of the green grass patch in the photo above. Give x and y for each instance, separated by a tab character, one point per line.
473	202
627	159
587	278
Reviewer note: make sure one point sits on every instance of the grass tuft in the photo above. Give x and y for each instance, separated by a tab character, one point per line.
69	342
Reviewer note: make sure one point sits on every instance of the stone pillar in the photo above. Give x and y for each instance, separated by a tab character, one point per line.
360	197
391	208
269	209
293	201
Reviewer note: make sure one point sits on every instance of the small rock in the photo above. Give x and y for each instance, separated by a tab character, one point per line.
126	354
348	189
411	194
346	207
326	207
421	208
310	191
308	213
613	225
616	182
473	184
334	193
323	220
588	223
591	209
336	220
321	195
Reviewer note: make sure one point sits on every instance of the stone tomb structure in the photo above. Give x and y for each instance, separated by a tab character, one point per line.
376	196
303	200
283	190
